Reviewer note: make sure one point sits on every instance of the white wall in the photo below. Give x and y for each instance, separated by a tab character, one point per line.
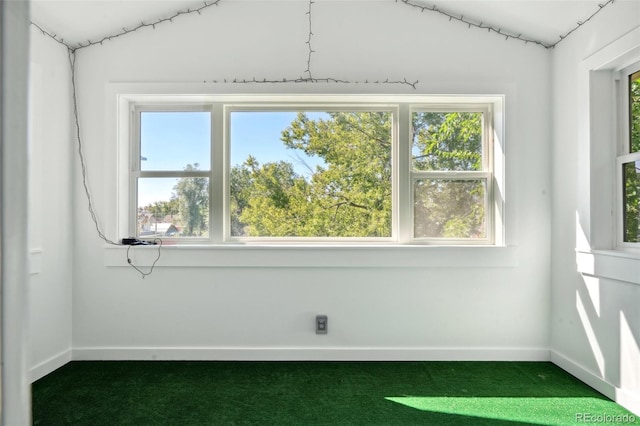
595	323
50	211
386	312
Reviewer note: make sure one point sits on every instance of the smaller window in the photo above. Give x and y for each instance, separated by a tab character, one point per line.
630	163
451	175
171	173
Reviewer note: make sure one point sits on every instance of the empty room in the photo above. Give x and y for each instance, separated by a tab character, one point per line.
320	212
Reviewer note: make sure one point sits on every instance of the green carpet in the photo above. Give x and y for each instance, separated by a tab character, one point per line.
318	393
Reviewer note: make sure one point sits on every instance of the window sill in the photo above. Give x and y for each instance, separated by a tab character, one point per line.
271	256
621	265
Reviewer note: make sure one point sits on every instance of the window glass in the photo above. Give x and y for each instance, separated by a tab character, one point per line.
173	207
446	208
447	141
634	107
310	173
172	183
631	200
170	140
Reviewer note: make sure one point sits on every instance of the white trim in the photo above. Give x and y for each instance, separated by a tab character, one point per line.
629	400
616	55
615	265
619	208
47	366
309	354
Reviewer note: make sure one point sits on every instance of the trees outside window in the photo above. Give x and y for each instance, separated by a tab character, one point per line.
348	194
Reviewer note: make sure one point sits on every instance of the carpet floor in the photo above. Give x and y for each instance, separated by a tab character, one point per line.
318	393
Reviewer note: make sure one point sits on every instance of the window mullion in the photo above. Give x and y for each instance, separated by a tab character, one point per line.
403	208
450	175
218	187
134	167
171	173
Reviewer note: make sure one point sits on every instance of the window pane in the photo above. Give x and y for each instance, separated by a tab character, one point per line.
310	174
447	141
634	101
173	207
449	208
631	201
171	140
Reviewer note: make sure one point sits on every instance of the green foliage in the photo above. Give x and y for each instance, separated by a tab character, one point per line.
240	183
267	200
447	141
192	195
631	173
634	100
350	196
449	209
161	209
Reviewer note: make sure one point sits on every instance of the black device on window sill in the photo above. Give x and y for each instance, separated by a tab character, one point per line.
136	242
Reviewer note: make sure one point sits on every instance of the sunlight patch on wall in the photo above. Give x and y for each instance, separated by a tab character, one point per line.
592	285
582	241
591	335
629	357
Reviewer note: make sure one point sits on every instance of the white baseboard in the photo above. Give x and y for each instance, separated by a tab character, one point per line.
309	354
40	370
629	400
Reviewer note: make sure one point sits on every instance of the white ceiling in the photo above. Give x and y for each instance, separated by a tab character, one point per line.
77	21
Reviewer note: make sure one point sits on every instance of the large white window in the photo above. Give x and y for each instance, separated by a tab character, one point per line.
236	171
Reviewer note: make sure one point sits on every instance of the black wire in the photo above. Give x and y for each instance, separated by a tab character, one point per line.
499	31
83	167
144	274
411	3
83	164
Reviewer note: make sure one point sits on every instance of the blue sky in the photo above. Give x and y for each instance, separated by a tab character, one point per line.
258	134
171	140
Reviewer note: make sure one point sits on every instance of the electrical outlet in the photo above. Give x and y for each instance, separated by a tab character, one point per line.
321	324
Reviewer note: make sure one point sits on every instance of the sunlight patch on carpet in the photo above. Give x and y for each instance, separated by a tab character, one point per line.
544	411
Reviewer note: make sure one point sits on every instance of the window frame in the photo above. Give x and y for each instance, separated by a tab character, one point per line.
135	163
229	108
623	151
403	175
485	174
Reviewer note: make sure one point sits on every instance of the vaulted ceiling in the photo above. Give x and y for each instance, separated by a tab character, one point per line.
77	21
